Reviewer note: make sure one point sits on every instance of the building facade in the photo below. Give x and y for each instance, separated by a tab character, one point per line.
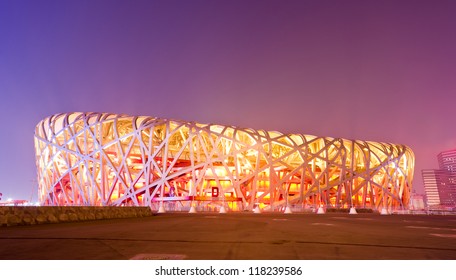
447	160
109	159
440	184
417	202
432	180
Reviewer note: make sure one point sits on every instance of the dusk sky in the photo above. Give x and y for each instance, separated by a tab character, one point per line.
383	71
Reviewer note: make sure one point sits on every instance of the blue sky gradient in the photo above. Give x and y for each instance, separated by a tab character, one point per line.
368	70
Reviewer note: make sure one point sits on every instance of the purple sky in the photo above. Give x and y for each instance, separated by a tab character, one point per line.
367	70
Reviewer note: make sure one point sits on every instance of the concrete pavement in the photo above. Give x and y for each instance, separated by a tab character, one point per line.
237	236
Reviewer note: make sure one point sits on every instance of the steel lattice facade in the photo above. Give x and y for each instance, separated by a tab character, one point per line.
109	159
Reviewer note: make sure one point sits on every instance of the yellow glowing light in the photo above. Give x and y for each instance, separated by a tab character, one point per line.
126	151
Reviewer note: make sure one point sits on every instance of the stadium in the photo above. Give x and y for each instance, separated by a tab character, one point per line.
103	159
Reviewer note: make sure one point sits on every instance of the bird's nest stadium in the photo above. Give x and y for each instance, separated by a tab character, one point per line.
110	159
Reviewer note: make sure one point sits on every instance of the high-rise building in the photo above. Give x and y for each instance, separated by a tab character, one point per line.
440	184
447	160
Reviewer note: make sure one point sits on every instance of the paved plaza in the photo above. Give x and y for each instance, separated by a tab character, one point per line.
236	236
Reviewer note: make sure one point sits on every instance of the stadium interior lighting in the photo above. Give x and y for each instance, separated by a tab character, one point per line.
110	159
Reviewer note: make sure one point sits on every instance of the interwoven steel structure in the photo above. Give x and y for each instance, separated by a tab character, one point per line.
109	159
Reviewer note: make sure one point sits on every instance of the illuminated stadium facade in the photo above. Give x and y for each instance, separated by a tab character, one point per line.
108	159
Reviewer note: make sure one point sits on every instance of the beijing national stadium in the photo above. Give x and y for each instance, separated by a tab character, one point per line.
101	159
